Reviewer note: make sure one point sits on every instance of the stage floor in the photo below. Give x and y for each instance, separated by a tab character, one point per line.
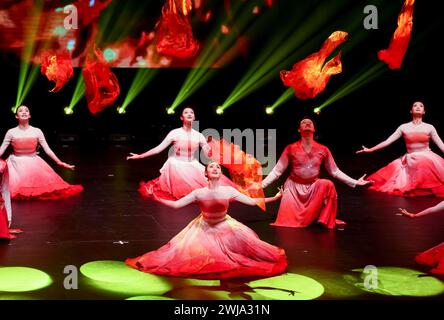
109	222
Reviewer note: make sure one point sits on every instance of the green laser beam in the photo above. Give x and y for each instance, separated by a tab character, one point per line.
210	53
28	49
141	80
79	92
276	53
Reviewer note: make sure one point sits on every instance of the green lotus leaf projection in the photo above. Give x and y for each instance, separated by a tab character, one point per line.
394	281
23	279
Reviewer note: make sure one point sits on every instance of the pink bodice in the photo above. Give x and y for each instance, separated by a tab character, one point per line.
214	210
306	166
24	145
416	141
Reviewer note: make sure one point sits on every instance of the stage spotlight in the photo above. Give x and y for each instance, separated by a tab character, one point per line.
68	110
317	110
14	109
170	110
121	110
269	110
219	110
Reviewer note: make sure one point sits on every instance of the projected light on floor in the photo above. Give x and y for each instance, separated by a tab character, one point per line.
289	286
149	298
115	276
23	279
394	281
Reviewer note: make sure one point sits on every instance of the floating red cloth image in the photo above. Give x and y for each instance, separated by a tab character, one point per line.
174	33
101	85
245	170
87	13
57	67
399	43
310	76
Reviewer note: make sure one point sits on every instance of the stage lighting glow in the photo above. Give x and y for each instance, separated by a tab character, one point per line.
109	54
22	279
71	44
395	281
115	276
27	77
149	298
68	110
142	78
59	31
289	286
317	110
269	110
121	110
211	54
278	53
170	110
220	110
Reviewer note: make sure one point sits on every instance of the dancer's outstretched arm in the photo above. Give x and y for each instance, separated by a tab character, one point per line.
50	153
278	169
6	142
182	202
395	136
332	168
436	139
236	195
162	146
438	208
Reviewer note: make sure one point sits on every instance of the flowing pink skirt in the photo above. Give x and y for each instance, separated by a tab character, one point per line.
177	179
224	250
433	258
4	230
30	177
303	204
412	175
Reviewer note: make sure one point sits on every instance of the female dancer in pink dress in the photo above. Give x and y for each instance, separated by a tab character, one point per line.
213	245
182	172
30	177
420	171
433	257
5	203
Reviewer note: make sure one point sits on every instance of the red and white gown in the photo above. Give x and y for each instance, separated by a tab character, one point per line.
433	257
5	201
307	198
214	245
420	172
182	172
30	177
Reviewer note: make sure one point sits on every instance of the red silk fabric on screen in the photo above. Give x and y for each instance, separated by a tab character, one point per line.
57	67
399	43
101	84
310	76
